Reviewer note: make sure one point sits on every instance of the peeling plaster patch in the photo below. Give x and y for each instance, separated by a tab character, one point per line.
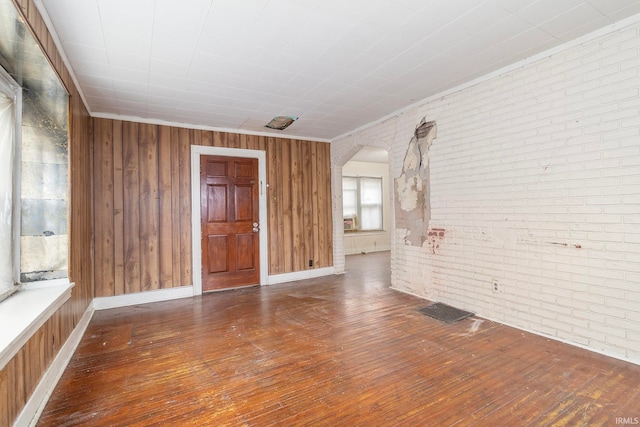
413	207
436	235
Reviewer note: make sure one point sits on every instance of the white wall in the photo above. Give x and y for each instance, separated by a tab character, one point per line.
374	241
535	180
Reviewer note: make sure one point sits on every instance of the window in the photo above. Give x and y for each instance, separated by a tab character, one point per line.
34	186
34	161
9	130
362	203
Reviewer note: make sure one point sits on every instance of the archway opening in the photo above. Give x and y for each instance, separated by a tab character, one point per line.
367	205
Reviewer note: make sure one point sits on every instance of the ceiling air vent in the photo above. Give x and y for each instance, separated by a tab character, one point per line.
280	122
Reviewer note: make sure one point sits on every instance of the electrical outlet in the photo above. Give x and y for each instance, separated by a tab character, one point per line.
310	263
494	286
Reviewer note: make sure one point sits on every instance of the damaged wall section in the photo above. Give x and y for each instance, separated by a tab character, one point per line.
413	206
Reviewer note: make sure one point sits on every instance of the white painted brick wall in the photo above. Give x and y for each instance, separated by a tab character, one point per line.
535	176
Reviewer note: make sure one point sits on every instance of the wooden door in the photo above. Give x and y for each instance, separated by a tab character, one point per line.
230	222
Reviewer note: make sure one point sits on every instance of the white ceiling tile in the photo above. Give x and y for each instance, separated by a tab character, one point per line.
95	70
246	8
293	92
352	10
121	59
481	18
169	71
370	83
545	10
301	46
585	28
417	28
70	10
399	65
99	92
174	52
133	105
514	5
450	12
508	27
119	41
184	14
340	99
285	62
326	27
132	97
142	10
610	7
318	70
387	48
130	112
345	77
129	76
276	75
85	53
281	17
621	14
268	34
363	63
336	64
246	69
207	60
534	37
416	5
336	56
104	105
169	33
71	32
94	99
94	80
571	20
220	22
386	17
222	45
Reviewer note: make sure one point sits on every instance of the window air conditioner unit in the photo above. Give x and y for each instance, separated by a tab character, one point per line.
350	224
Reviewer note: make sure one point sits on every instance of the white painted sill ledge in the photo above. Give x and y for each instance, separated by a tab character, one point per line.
23	313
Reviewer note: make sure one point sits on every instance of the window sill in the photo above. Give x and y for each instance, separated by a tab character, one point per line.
354	233
23	313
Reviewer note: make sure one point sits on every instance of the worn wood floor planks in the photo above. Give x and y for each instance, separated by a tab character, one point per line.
337	351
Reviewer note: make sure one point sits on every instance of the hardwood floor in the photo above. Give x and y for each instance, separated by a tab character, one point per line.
338	351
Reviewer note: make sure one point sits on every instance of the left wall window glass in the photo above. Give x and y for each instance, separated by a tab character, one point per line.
40	167
9	102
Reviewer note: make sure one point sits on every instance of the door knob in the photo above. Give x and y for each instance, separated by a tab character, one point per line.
255	224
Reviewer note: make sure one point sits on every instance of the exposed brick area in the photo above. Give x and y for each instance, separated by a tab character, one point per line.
535	176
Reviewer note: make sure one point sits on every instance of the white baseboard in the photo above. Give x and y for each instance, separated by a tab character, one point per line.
104	303
300	275
618	356
35	405
363	251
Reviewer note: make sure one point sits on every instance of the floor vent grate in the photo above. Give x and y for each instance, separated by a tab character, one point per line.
445	313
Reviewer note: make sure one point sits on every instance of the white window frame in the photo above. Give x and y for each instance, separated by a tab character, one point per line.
24	313
358	216
12	90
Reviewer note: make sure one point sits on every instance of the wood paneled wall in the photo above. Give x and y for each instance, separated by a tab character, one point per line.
22	374
142	191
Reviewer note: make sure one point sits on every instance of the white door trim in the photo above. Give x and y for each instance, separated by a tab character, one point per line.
196	232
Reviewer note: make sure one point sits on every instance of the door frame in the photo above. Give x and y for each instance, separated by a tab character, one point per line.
196	225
